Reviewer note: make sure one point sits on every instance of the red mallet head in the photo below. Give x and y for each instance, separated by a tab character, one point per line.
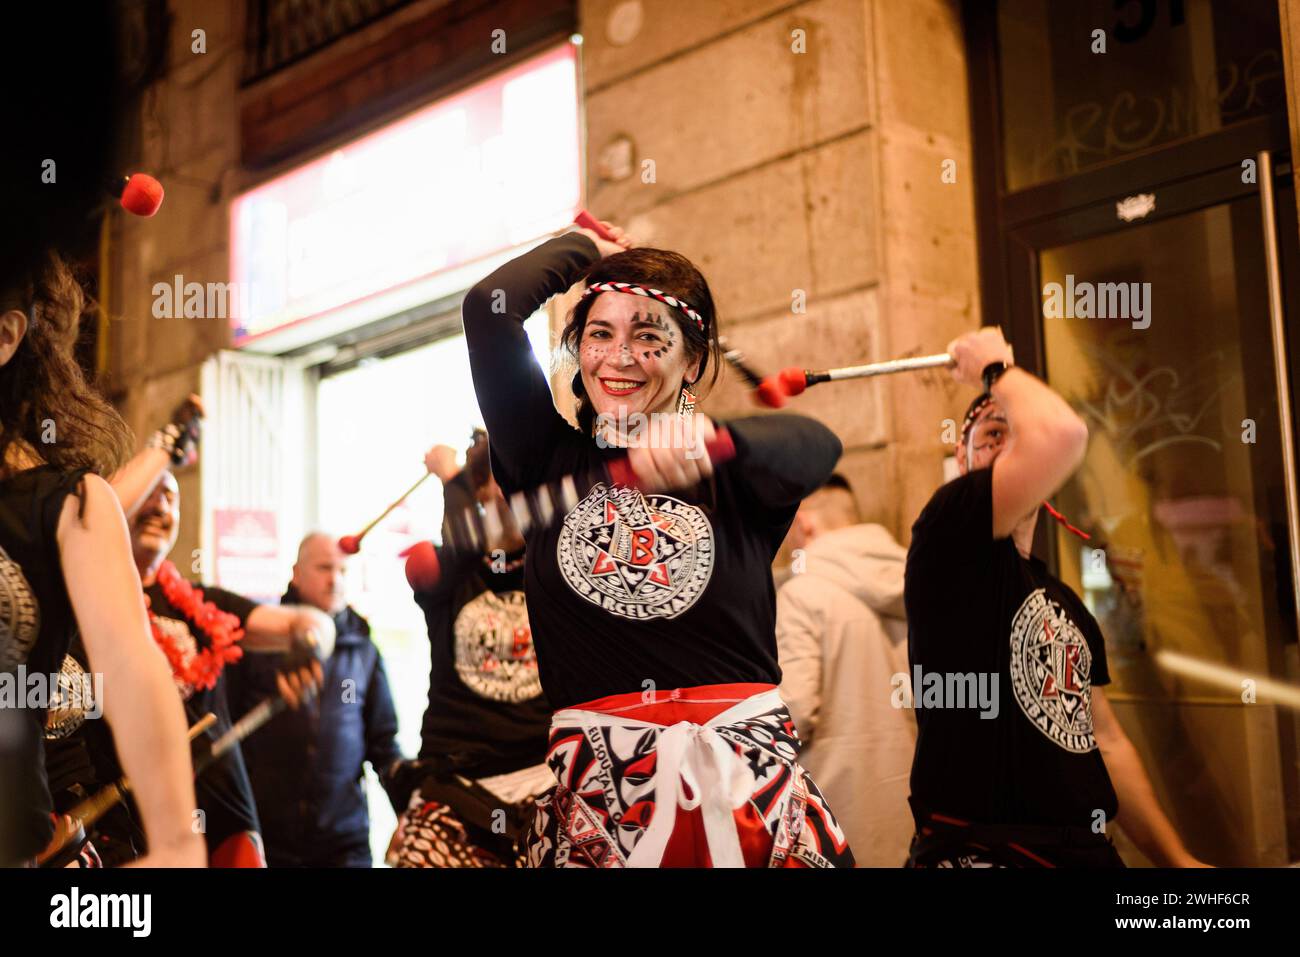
141	195
349	544
722	448
422	568
793	380
770	393
588	221
621	472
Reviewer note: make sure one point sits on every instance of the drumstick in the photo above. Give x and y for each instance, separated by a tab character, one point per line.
468	532
1268	690
101	802
257	716
97	805
351	544
767	391
795	380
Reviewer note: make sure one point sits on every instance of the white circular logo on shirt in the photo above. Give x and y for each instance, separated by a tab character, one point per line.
20	616
72	698
494	648
636	556
1050	669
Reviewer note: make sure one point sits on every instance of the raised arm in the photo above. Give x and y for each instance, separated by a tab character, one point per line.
512	390
1046	440
136	479
140	698
458	553
305	635
273	628
174	444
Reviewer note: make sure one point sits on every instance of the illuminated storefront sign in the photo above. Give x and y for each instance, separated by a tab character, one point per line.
410	213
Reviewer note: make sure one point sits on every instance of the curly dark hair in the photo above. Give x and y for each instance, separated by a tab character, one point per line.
668	272
47	408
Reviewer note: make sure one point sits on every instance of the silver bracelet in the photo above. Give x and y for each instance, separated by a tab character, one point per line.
165	439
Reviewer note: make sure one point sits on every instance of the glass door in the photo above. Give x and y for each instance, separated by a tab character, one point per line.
1154	324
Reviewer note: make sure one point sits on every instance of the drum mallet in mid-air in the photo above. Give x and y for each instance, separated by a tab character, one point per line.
351	544
471	529
795	380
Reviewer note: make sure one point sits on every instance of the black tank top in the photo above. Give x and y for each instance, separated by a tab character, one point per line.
36	627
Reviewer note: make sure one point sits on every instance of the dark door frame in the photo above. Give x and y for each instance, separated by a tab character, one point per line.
1011	227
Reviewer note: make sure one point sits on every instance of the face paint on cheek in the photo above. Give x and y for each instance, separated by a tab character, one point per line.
669	336
654	355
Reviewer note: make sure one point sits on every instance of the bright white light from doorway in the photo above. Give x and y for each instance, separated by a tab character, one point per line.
376	421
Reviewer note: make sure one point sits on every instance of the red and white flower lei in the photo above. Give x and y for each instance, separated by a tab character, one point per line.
202	668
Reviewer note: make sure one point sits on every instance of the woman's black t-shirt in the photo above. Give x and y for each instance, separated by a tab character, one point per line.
36	627
630	592
486	712
975	606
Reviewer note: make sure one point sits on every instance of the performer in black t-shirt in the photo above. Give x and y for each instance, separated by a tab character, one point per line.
483	738
199	631
1027	775
65	564
652	608
69	760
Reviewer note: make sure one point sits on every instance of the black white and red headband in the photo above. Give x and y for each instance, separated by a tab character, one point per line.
973	413
646	292
979	404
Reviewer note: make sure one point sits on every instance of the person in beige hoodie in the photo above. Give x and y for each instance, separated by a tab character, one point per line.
841	638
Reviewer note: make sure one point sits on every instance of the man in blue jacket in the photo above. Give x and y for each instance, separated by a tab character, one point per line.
306	766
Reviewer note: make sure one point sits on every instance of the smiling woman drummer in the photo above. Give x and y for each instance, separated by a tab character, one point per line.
651	603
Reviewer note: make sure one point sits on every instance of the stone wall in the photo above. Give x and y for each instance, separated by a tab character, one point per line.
188	137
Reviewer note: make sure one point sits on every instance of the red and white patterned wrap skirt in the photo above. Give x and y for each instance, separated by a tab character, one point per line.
697	777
